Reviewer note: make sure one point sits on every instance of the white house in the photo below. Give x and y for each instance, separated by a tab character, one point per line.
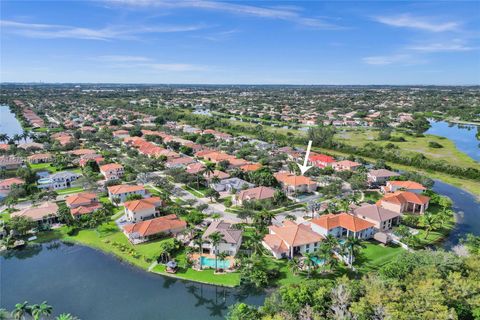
343	225
112	171
122	191
291	239
58	181
143	209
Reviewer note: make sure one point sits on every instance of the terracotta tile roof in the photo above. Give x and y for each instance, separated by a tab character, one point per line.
217	173
80	198
321	158
11	181
258	193
295	234
411	185
38	156
142	204
195	168
403	197
344	220
110	166
275	243
85	209
292	180
38	212
81	152
251	167
124	188
383	173
157	225
347	163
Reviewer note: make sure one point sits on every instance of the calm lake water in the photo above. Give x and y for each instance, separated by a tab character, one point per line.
462	135
467	209
93	285
8	123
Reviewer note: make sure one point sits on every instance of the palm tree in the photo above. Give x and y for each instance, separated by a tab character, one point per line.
21	309
350	247
293	266
66	316
17	137
215	239
209	168
39	310
222	256
25	135
430	222
309	263
4	137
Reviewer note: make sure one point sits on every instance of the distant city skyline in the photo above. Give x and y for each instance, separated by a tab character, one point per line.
248	42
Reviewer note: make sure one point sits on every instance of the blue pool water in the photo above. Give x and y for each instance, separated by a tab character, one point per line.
318	261
209	262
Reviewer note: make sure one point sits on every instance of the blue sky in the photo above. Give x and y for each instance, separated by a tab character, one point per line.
242	42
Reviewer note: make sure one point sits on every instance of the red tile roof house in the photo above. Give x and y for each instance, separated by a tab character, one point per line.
254	194
231	241
181	162
404	201
40	158
82	203
382	218
112	171
195	168
122	191
346	165
411	186
216	173
251	167
94	157
292	184
143	209
321	160
81	152
7	184
150	229
44	213
291	239
343	225
10	162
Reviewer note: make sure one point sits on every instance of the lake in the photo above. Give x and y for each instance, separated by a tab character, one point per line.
461	134
8	122
467	209
93	285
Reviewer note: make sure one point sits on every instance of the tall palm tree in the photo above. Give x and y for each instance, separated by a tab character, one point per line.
293	266
25	135
430	222
209	168
215	239
351	247
17	137
21	309
222	256
4	137
39	310
309	263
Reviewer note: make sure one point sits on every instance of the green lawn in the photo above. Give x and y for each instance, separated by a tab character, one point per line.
449	152
70	190
134	254
4	216
375	255
194	192
43	166
372	196
206	276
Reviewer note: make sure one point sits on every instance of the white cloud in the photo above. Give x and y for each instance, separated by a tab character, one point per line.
175	67
454	46
120	58
53	31
416	22
404	59
286	13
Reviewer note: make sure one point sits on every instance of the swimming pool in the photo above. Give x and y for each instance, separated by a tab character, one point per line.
44	181
318	262
210	262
